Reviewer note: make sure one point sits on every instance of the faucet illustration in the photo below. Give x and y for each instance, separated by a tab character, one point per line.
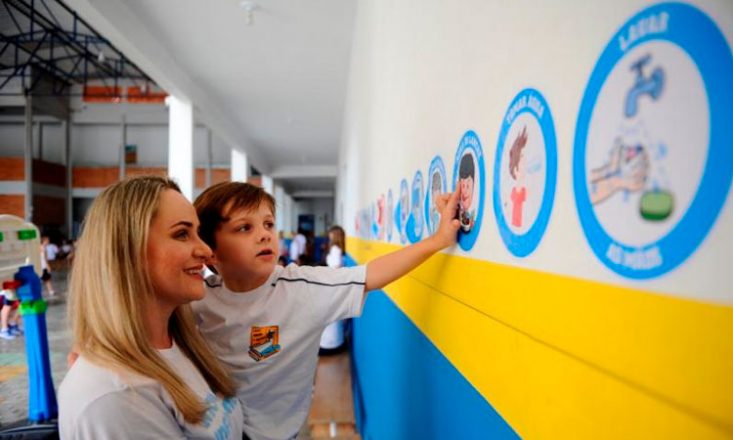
651	85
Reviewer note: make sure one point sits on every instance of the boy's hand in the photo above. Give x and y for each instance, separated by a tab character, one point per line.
447	232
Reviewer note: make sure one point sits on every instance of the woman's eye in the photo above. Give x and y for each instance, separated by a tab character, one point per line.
181	235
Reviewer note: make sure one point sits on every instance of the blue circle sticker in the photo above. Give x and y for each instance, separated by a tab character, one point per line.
437	184
468	171
415	220
402	210
525	172
653	155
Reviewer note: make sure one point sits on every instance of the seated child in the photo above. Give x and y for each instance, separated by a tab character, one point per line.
265	321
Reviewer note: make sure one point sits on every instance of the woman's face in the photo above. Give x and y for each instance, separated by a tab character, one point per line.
176	254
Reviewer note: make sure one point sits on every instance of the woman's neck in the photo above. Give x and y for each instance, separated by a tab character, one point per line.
158	317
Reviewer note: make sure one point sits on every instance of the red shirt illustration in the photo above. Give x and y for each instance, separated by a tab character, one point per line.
518	197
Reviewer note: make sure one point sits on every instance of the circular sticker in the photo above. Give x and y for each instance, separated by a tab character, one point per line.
468	171
415	221
402	211
525	172
437	184
653	161
388	218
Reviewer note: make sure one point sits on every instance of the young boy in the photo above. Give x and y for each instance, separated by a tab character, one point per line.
265	321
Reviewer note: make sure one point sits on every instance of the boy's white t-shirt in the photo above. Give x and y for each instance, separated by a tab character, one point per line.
98	403
269	338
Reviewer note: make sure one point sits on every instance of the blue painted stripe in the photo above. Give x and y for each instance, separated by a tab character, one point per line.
405	388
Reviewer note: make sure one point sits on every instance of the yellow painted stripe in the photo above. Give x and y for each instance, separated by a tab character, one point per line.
563	357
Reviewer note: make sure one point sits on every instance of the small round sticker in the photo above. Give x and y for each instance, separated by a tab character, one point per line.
415	220
525	172
653	161
388	218
468	172
402	211
437	184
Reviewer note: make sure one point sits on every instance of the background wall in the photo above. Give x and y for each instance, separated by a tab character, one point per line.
601	323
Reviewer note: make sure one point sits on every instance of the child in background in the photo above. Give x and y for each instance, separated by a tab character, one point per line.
47	249
332	338
265	321
9	317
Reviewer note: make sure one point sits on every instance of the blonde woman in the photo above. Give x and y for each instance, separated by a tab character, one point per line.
143	371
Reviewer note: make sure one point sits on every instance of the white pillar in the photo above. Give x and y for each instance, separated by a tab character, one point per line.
123	145
28	155
279	195
267	184
180	144
66	129
209	159
240	167
288	214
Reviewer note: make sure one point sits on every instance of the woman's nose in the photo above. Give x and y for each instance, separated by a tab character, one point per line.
203	250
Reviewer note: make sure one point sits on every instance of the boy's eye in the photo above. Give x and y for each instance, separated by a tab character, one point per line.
245	227
269	225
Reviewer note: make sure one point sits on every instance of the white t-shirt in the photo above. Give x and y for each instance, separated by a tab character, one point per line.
297	246
333	335
98	403
51	251
269	338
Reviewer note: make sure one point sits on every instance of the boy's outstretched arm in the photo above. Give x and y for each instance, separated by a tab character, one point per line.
388	268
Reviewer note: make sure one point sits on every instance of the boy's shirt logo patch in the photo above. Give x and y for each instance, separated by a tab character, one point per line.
264	342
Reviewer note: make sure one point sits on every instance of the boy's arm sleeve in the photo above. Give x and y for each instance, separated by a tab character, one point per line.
336	293
126	415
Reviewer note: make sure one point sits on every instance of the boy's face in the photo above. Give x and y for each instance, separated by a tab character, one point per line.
466	192
246	247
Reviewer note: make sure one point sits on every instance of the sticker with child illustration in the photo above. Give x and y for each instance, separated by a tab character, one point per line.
525	172
653	161
381	217
264	342
402	211
468	172
415	220
437	185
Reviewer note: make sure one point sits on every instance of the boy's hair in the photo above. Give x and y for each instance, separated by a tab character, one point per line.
466	169
515	154
230	196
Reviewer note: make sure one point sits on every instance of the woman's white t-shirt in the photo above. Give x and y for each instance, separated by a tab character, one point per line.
98	403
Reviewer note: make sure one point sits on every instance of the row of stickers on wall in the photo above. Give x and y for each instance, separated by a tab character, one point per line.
652	156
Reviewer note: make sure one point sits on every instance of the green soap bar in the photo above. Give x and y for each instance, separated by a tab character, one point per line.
26	234
656	205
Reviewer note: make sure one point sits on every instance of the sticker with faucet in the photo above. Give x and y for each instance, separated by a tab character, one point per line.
652	162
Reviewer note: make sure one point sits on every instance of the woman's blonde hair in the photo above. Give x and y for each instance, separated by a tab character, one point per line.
337	237
110	289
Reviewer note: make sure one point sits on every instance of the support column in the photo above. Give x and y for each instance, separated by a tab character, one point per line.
240	166
180	144
209	159
28	155
123	158
66	130
279	195
267	184
288	214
